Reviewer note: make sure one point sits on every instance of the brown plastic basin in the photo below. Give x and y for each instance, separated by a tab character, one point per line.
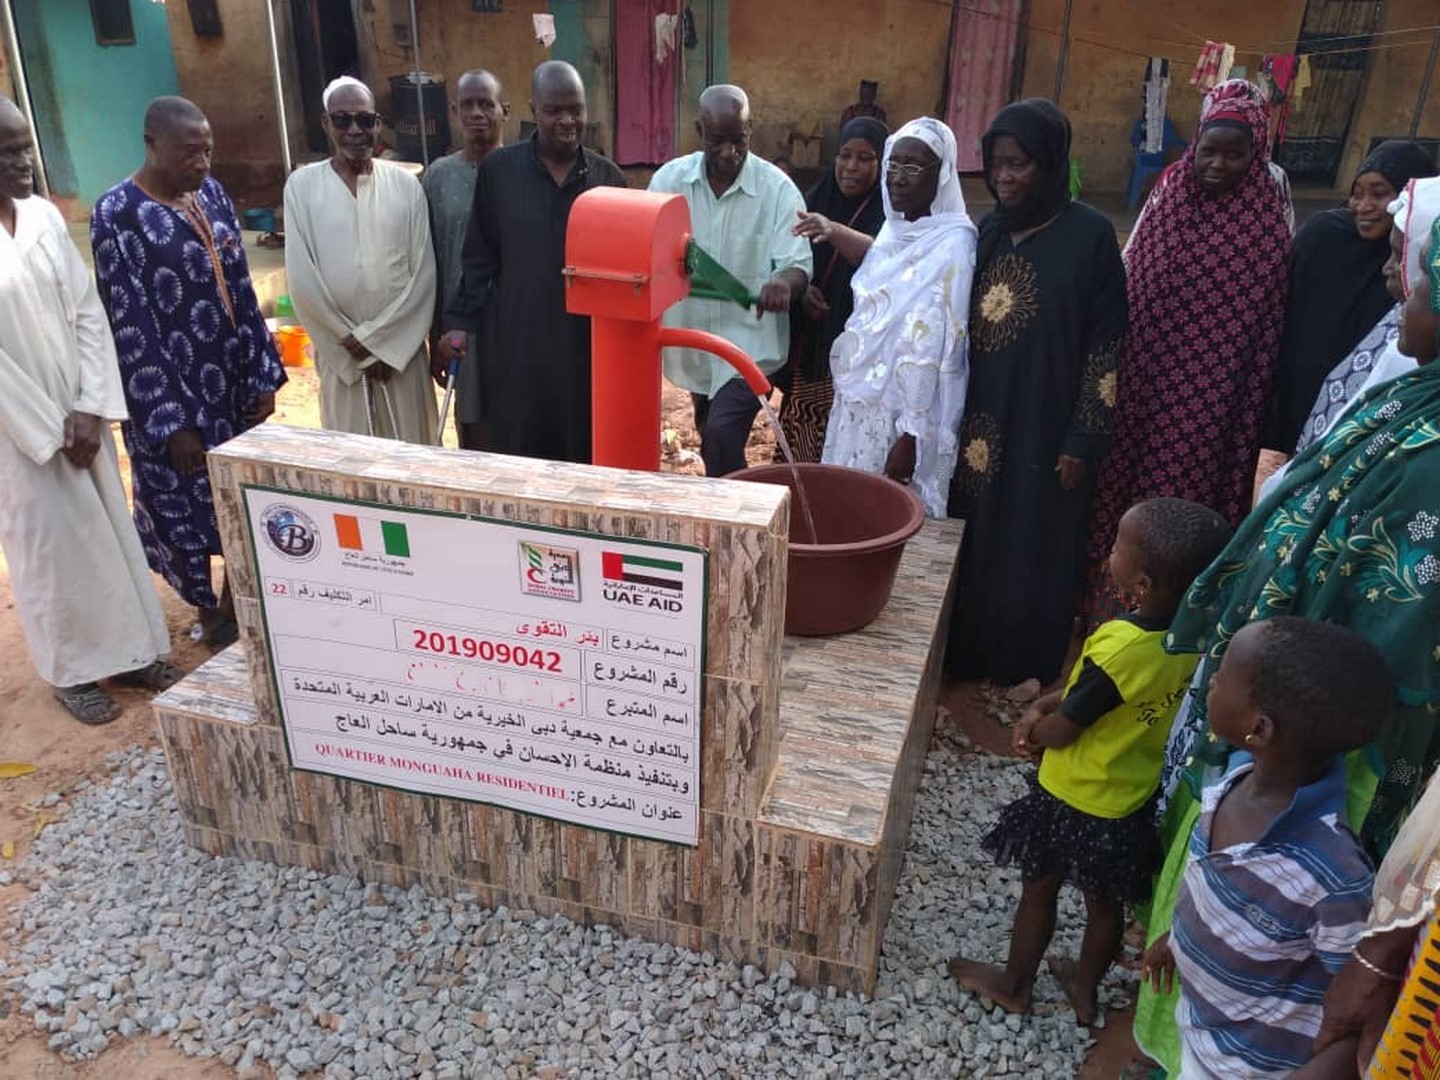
863	521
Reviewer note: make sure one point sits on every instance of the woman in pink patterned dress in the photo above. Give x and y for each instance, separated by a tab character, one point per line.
1206	274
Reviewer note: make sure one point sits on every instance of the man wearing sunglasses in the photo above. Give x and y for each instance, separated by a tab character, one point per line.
533	357
362	275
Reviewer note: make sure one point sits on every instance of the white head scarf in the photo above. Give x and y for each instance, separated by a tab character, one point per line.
901	365
1415	211
339	84
948	208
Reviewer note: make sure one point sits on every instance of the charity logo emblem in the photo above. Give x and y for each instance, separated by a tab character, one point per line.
643	582
552	572
290	532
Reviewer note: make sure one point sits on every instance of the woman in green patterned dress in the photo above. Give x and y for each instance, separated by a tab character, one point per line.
1350	536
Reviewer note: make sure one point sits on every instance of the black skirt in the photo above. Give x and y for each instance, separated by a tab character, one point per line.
1116	858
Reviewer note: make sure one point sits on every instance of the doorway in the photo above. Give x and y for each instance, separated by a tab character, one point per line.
645	83
93	66
326	47
1335	35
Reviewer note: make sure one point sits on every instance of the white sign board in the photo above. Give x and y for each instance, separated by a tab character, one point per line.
547	671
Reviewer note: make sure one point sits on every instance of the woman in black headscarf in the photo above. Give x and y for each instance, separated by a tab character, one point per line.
1046	326
840	210
1337	291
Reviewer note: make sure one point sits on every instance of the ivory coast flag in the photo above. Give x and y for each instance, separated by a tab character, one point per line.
372	534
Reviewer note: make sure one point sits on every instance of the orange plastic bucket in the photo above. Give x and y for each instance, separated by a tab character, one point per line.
295	348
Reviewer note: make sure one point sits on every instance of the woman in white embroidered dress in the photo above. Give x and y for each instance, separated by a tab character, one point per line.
901	364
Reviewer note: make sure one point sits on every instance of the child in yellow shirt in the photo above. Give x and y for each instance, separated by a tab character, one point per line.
1089	818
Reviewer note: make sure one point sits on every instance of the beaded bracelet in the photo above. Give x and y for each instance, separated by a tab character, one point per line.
1373	968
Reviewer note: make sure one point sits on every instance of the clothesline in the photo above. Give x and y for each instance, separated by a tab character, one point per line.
1274	46
1187	46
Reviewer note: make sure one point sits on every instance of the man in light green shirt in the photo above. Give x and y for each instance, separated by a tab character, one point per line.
742	211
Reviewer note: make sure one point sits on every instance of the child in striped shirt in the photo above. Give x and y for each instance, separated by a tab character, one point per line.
1277	890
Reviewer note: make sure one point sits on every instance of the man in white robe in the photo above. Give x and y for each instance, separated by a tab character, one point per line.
361	272
86	600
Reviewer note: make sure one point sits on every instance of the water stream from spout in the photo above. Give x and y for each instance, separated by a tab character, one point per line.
784	445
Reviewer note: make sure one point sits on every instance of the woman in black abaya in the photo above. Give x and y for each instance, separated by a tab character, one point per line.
1047	324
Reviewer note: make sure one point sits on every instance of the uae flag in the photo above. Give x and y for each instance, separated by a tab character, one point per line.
372	534
639	570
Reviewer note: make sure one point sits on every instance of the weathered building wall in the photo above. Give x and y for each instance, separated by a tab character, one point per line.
801	61
230	78
1101	92
454	39
1392	84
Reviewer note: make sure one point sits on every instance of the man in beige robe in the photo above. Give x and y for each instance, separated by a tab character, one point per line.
362	275
85	597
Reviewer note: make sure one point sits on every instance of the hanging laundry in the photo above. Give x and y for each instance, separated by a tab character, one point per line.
1157	97
1216	60
544	29
1280	73
665	28
1301	83
1227	62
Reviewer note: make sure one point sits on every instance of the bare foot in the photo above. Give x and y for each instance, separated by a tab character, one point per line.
990	982
1087	1007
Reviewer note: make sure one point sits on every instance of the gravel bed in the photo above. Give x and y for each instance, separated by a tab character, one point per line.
130	932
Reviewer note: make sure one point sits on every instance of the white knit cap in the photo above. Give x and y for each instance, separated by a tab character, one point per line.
337	84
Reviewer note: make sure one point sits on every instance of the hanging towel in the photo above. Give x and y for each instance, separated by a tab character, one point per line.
1216	60
1301	83
1157	96
544	29
665	27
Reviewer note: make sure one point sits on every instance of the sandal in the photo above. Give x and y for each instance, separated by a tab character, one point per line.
87	703
1142	1068
223	634
156	675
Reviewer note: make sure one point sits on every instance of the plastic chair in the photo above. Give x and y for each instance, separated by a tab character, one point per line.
1148	165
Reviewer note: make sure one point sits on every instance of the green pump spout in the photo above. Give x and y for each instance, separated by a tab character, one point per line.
711	281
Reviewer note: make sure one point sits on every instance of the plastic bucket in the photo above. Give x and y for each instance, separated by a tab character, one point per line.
843	582
295	347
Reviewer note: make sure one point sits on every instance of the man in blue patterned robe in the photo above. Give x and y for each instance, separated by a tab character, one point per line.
196	359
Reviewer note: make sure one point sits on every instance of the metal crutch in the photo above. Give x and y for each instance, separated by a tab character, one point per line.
369	404
451	372
390	410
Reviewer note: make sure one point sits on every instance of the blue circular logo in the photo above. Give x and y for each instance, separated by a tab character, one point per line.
290	532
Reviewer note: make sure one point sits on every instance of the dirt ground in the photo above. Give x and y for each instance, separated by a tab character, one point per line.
35	730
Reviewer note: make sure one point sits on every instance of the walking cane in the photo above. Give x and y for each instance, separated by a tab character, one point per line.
445	403
369	404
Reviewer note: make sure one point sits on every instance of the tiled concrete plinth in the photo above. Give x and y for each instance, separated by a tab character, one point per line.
811	748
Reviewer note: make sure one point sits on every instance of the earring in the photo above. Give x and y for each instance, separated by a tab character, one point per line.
1249	738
